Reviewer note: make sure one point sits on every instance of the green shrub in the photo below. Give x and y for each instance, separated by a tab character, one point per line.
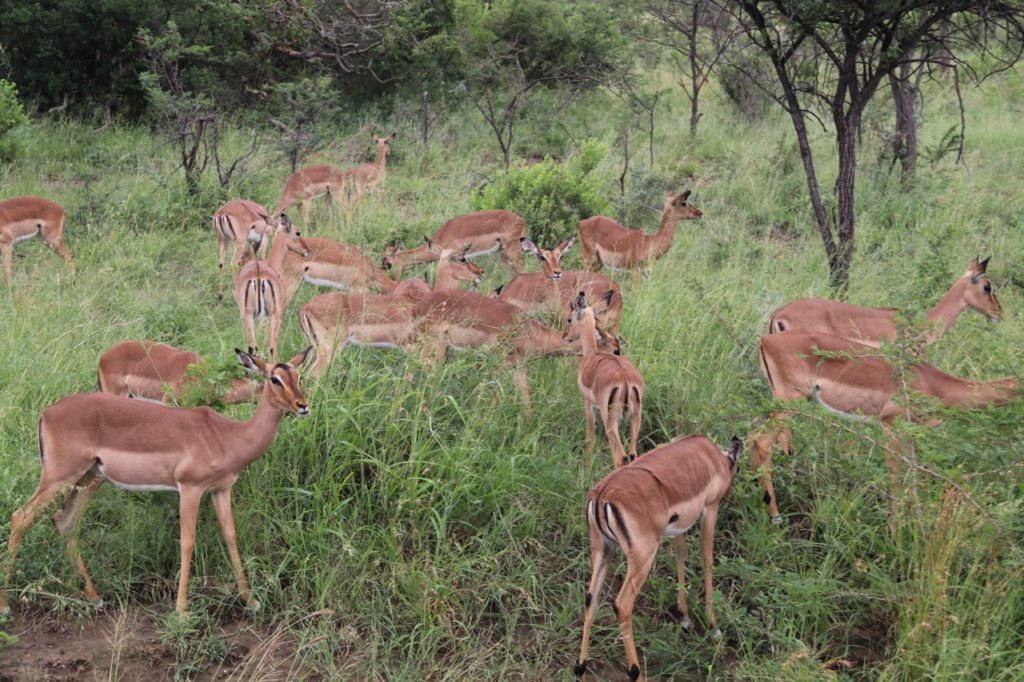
12	115
553	197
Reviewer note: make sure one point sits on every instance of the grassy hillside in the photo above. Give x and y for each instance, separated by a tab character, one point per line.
416	526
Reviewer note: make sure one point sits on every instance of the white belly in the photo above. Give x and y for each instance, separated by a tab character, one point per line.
139	488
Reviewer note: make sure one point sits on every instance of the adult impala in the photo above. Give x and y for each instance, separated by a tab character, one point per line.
335	320
87	438
872	326
22	218
241	222
609	383
370	176
605	242
160	373
485	232
662	494
552	290
857	383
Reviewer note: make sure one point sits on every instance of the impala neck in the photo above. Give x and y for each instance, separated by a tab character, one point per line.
420	254
255	435
386	284
666	233
948	309
382	157
588	338
535	340
243	391
969	394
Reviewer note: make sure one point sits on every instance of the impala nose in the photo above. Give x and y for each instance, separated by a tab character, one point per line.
302	408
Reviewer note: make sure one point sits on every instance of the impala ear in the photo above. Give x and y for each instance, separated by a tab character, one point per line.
686	195
392	136
734	450
581	302
299	359
529	247
567	244
251	361
983	265
286	222
497	292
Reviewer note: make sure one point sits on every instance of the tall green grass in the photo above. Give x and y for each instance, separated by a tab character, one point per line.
417	526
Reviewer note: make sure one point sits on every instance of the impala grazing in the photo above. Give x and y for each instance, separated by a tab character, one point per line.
857	384
609	383
160	373
240	222
335	320
553	290
485	232
872	326
87	438
662	494
605	242
26	217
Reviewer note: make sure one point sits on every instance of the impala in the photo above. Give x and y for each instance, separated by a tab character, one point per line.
605	242
608	382
26	217
332	321
465	319
87	438
856	384
240	222
871	326
159	373
661	494
312	182
553	290
370	176
260	295
485	232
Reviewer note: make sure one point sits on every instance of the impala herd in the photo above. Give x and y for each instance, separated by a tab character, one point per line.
815	349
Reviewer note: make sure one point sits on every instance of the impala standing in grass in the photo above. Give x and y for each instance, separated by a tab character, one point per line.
240	222
87	438
662	494
23	218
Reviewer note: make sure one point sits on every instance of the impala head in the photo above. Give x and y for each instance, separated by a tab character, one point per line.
282	380
390	251
550	258
735	449
459	265
978	293
292	237
383	143
579	311
680	207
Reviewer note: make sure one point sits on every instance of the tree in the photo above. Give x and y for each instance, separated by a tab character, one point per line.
699	34
832	57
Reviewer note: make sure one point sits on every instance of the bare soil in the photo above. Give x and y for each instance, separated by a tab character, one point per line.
126	645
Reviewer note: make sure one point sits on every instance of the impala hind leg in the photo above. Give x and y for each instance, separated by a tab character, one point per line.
636	413
8	252
222	505
588	435
188	506
523	385
682	609
66	521
512	255
611	416
639	562
599	554
21	521
707	538
761	458
54	238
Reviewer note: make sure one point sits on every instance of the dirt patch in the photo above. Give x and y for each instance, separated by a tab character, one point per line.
126	645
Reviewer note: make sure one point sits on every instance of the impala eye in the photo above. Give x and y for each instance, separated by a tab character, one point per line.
988	288
275	380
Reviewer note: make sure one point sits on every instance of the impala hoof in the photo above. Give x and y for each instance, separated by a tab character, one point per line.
254	605
686	623
716	635
777	520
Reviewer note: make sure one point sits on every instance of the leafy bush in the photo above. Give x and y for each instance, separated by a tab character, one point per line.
552	197
12	115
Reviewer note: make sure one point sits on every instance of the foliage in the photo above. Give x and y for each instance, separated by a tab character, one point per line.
553	197
12	115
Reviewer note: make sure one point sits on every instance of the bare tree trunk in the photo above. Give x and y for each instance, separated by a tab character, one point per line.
695	75
904	95
425	117
842	256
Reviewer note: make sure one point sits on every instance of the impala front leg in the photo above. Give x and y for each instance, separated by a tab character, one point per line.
188	506
679	544
599	553
222	505
8	250
707	537
66	521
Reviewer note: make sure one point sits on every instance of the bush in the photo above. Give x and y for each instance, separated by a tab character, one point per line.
551	196
12	115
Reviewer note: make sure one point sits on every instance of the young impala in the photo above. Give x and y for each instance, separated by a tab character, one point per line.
872	326
87	438
662	494
370	176
609	383
240	222
159	373
335	320
605	242
485	232
26	217
857	383
552	290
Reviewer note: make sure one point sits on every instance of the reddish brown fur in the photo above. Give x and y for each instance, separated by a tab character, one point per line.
238	222
482	232
26	217
663	493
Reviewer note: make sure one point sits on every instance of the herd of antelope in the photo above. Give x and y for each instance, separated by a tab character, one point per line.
122	434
